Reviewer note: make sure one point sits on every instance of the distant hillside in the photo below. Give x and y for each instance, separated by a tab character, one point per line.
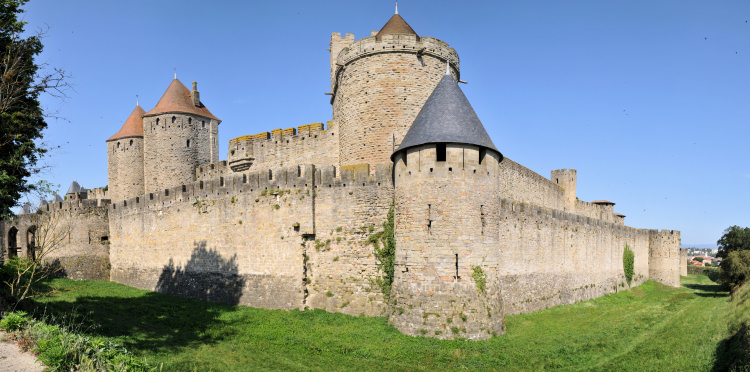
700	246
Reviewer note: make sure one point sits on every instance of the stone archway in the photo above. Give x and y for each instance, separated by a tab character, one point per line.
31	243
12	242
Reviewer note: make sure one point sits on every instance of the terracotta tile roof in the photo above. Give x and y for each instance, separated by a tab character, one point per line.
177	99
133	127
602	202
395	25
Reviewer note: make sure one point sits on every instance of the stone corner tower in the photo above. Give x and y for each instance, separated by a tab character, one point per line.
378	85
125	158
567	179
446	281
179	135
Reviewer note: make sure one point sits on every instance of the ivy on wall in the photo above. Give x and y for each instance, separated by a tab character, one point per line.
385	252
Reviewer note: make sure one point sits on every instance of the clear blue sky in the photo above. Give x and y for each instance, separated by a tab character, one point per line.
648	100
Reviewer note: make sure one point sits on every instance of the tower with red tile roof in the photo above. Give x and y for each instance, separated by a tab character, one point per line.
125	158
179	134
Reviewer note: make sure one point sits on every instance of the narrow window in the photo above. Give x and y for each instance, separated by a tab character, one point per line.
440	152
151	196
270	175
184	189
131	142
481	217
157	121
457	277
201	185
429	219
174	118
482	153
188	143
118	145
166	192
244	178
221	181
190	120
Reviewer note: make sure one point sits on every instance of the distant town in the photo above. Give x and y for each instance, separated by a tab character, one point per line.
703	257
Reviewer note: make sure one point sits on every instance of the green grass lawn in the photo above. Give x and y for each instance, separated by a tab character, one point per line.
651	327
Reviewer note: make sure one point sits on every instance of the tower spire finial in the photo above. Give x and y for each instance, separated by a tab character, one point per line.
175	73
137	101
447	67
396	7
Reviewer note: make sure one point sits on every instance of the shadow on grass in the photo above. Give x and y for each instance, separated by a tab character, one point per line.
157	322
708	290
732	352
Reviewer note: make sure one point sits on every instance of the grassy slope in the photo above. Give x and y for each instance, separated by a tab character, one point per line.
651	327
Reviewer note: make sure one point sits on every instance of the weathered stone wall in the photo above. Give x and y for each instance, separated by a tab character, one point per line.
74	233
341	267
568	180
550	257
445	229
174	147
598	211
308	144
125	168
256	233
664	256
380	87
683	261
516	182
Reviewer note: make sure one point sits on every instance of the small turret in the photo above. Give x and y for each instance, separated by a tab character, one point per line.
125	158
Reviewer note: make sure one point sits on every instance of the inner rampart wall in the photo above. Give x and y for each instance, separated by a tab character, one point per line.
521	184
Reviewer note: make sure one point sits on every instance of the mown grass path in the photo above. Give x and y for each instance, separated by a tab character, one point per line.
651	327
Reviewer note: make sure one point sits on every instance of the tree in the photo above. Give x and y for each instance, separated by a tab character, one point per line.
21	115
735	269
735	238
698	258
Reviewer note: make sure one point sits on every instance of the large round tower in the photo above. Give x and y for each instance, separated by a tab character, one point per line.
379	84
445	171
125	158
179	135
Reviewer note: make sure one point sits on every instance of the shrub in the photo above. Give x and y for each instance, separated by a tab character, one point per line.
480	278
13	321
385	254
735	269
628	263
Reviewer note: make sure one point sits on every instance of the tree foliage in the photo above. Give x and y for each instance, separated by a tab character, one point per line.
22	81
735	238
735	269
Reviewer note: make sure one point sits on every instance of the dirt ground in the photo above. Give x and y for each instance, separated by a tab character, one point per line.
12	359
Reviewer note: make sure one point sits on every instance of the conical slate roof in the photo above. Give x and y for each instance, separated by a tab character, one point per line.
447	117
133	127
395	25
177	99
57	199
74	188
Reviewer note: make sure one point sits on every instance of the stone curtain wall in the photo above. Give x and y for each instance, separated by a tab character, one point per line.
683	261
516	182
125	168
550	257
342	267
601	212
83	251
380	87
307	144
257	232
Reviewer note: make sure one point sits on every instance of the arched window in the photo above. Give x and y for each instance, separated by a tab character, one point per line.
118	145
174	118
131	142
157	121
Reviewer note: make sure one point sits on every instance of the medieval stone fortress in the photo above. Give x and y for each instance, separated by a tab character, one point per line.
285	221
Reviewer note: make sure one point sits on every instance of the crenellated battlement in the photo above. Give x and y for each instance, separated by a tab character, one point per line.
305	142
289	177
